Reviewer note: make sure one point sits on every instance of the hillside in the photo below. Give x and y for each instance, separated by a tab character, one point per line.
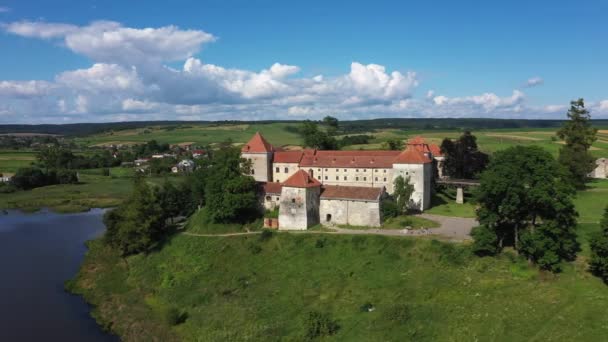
246	288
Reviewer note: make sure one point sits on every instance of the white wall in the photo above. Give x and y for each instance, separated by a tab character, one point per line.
420	176
351	212
298	208
260	165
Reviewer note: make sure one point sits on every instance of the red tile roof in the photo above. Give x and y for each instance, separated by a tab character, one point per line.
360	159
288	157
257	144
412	155
272	188
351	193
301	179
435	150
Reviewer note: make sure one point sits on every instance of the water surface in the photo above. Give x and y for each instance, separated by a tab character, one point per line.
38	252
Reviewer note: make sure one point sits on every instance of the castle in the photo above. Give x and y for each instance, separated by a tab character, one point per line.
337	187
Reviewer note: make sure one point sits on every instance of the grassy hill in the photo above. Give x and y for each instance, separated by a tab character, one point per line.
246	288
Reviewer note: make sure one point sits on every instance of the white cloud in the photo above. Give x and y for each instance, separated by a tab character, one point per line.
26	89
110	42
130	80
4	9
534	81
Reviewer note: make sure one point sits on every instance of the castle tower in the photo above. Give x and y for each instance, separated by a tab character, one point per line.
299	206
418	166
259	152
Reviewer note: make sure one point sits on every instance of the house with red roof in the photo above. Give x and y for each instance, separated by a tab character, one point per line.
349	174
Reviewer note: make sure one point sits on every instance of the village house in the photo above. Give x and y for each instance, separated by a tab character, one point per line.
337	187
185	166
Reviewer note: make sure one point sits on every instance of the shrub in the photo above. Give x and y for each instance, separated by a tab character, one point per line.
485	241
367	307
266	235
320	325
389	208
173	316
399	313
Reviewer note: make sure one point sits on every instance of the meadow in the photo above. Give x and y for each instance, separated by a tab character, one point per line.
374	288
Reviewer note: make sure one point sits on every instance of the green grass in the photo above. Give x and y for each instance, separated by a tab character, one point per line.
400	222
94	191
11	160
197	224
444	203
246	288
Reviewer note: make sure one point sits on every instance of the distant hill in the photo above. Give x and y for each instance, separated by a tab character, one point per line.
83	129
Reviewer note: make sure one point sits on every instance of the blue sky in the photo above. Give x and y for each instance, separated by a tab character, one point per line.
214	59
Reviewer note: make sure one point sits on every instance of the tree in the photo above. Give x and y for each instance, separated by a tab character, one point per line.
578	136
598	264
230	195
525	201
315	138
332	122
402	192
393	145
136	225
463	160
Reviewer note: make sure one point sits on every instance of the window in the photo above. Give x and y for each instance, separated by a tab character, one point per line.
344	170
337	170
344	177
337	178
384	170
268	198
293	200
325	170
319	170
325	177
364	179
407	173
278	198
357	170
376	171
357	179
376	179
364	170
286	170
277	169
252	171
385	179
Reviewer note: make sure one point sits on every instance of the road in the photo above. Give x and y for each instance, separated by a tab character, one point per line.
453	228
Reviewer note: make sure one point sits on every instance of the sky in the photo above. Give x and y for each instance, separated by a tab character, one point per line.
98	61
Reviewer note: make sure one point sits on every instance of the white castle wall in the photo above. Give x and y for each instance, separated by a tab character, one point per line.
351	212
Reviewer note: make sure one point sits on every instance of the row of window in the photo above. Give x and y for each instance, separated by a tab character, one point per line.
286	170
356	178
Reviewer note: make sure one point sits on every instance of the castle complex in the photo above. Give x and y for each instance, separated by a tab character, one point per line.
337	187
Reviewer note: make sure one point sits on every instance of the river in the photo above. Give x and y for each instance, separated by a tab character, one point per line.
38	252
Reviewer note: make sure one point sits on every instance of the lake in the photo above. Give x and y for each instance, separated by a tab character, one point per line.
38	252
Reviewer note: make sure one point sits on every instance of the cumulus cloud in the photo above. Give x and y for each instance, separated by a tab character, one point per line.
110	42
534	82
130	79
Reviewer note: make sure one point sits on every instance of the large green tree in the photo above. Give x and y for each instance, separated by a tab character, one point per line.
525	201
316	138
230	195
463	159
598	264
138	224
402	191
578	135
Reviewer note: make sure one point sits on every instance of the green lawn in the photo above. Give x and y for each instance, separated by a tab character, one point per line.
11	160
196	224
246	288
93	191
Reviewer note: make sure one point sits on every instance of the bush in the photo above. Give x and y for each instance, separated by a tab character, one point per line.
485	241
399	313
367	307
173	316
320	325
389	209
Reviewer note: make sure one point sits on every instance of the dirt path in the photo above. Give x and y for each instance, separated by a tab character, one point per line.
453	228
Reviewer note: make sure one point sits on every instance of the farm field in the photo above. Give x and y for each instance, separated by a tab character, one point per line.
11	160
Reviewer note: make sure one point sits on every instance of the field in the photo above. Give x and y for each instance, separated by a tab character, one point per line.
11	160
248	288
93	191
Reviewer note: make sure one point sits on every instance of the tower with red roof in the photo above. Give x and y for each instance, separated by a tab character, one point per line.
259	153
299	205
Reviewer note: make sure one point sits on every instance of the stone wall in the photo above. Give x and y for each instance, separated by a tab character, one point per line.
350	212
260	166
299	208
601	169
282	171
